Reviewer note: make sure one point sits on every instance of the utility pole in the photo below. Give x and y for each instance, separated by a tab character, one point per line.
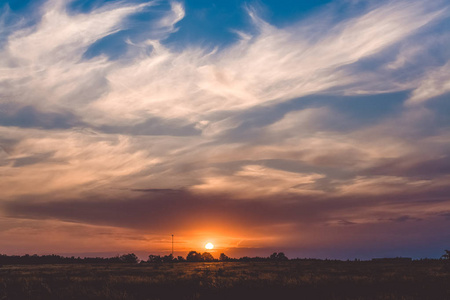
172	245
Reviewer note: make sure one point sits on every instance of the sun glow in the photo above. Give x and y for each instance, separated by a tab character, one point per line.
209	246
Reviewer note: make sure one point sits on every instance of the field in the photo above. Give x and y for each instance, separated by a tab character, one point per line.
299	279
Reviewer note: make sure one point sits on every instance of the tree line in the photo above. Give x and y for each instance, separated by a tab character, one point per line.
57	259
194	256
129	258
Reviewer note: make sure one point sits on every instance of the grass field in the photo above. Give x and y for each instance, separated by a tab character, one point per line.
229	280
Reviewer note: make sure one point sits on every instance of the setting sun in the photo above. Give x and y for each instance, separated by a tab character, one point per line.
209	246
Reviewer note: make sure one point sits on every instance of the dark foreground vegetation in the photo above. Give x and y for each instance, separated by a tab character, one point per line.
281	279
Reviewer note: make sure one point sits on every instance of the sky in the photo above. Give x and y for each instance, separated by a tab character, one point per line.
316	128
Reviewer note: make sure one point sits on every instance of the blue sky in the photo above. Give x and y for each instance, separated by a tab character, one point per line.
318	128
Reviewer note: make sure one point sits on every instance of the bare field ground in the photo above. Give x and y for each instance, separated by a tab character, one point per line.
299	279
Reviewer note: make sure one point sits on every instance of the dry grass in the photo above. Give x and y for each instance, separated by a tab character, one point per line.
231	280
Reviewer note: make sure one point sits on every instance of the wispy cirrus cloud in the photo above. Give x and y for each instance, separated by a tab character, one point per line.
435	83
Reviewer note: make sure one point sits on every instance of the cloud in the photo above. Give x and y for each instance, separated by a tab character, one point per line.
254	181
288	127
265	67
250	73
434	84
143	220
29	117
30	160
154	126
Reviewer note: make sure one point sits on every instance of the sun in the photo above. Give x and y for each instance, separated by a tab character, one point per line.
209	246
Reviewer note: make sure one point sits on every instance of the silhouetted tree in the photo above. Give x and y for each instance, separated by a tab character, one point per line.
130	258
167	258
446	255
223	257
278	256
281	256
154	258
180	258
194	256
206	256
